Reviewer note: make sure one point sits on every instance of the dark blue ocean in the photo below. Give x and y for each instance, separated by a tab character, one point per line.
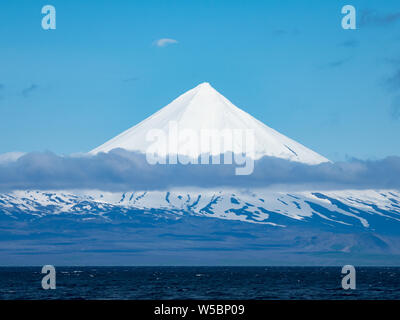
199	283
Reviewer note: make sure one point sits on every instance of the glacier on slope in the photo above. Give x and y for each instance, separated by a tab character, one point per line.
348	208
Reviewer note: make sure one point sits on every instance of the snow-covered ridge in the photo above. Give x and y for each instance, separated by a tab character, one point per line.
344	208
203	108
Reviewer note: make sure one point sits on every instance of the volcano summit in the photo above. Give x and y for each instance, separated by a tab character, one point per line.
203	110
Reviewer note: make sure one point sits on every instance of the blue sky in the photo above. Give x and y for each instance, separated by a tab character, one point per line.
288	63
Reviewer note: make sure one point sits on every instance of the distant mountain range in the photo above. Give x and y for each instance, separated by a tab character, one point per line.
201	227
348	209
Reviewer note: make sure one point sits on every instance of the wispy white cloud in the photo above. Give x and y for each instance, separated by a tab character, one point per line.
10	157
165	42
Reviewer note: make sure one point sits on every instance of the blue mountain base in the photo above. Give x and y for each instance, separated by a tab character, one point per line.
160	238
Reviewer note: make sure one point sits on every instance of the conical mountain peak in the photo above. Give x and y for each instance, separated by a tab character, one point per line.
204	108
204	85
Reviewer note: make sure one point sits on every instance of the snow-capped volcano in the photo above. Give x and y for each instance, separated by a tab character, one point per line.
203	108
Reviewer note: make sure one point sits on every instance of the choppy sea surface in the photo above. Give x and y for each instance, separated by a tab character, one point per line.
200	283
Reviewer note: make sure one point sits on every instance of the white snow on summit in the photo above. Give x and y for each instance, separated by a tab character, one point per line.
204	108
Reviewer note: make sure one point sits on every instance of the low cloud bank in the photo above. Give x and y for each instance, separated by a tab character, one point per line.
120	170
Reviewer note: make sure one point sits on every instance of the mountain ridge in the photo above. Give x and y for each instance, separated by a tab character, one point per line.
360	209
